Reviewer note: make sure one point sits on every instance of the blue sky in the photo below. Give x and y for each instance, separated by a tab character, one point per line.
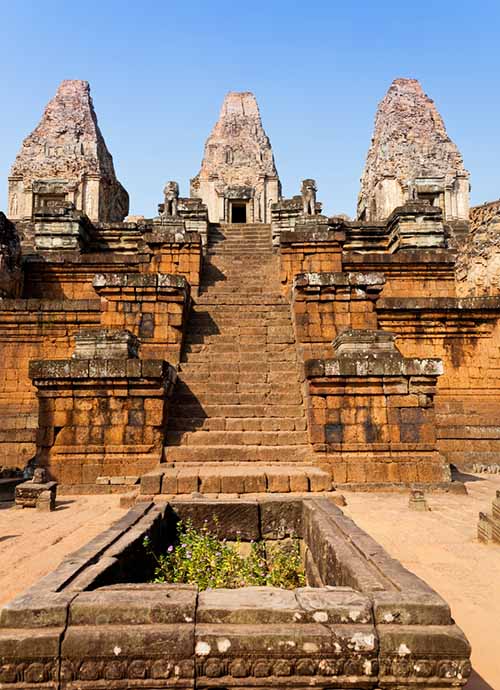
159	71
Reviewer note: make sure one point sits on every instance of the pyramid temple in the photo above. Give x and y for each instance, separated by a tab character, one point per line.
238	341
239	358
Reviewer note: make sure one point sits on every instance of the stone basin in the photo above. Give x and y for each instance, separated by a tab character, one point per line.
363	621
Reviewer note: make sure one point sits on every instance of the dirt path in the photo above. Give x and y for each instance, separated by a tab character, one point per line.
33	543
441	547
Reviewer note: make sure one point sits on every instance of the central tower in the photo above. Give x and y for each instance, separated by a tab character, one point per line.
238	180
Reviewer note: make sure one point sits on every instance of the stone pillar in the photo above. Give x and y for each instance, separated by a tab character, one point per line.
371	411
102	412
154	307
325	304
62	229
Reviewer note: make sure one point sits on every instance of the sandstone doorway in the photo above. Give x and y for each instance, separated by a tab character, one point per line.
238	212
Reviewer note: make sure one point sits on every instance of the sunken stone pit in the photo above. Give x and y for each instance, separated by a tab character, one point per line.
363	621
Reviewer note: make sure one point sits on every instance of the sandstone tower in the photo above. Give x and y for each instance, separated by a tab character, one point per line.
65	159
238	180
411	157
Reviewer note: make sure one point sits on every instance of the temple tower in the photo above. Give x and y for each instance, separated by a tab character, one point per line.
238	180
411	157
65	159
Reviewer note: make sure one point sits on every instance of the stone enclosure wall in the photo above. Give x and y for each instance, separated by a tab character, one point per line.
94	620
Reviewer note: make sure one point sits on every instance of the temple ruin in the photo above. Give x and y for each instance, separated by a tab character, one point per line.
238	180
65	160
412	158
214	349
242	358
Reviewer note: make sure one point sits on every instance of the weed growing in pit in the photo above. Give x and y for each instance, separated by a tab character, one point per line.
199	557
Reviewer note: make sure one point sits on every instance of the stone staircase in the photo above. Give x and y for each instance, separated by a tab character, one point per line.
488	529
237	408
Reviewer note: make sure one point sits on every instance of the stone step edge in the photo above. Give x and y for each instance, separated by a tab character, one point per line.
235	479
488	529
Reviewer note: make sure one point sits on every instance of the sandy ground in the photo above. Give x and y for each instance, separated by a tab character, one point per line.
441	547
32	543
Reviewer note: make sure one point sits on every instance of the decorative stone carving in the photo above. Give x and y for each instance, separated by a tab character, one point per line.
308	192
66	159
411	157
171	198
238	180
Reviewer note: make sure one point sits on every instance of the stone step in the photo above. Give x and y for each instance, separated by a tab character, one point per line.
280	307
236	438
235	375
235	479
290	397
236	423
205	298
237	454
242	411
225	354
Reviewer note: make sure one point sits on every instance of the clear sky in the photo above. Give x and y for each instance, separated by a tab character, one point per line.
159	71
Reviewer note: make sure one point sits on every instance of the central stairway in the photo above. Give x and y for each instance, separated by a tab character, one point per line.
237	410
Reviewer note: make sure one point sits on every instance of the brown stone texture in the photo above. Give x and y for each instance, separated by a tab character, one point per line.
411	156
103	412
478	260
237	411
371	411
154	307
66	159
238	164
311	251
108	277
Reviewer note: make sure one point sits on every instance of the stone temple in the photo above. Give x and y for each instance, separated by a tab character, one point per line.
238	341
246	356
65	159
238	180
411	157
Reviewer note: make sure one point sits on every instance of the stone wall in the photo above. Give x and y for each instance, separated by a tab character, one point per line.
478	261
366	622
416	299
108	276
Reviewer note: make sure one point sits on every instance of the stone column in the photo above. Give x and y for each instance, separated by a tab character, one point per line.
371	411
103	412
154	307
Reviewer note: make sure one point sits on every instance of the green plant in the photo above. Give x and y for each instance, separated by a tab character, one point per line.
200	557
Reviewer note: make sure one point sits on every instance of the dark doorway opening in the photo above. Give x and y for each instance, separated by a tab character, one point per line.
238	213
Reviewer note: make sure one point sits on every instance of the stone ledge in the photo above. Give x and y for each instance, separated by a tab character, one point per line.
139	280
354	279
113	368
